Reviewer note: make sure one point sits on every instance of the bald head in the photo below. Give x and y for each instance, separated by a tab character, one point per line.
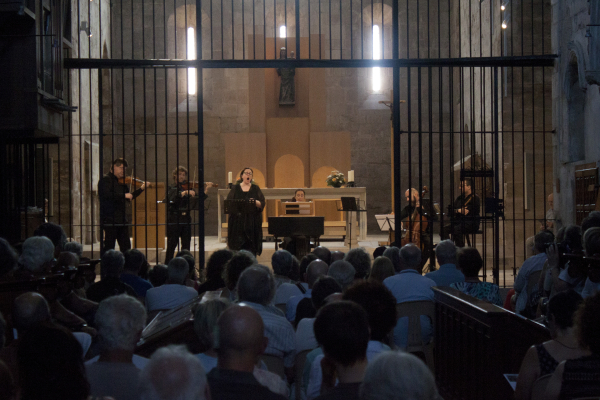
315	269
323	253
240	338
29	309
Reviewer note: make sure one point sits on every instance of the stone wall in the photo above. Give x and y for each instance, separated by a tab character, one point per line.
575	97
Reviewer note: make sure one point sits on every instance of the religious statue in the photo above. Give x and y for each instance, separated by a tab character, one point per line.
287	88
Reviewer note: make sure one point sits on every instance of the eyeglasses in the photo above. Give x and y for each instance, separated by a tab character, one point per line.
247	173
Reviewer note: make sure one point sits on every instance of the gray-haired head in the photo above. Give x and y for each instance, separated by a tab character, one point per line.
29	309
410	257
343	272
396	375
445	252
205	321
393	253
111	264
74	247
37	250
173	373
178	270
361	261
257	285
282	262
120	321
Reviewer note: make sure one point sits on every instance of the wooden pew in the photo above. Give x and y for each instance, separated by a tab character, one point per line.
476	343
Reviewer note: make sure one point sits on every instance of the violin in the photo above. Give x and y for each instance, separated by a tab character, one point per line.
134	182
194	185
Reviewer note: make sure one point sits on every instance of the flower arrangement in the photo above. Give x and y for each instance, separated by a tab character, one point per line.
335	179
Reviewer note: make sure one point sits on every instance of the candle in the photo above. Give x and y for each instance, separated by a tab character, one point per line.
229	177
351	176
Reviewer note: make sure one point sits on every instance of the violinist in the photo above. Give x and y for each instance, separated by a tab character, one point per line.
115	196
414	216
182	197
466	215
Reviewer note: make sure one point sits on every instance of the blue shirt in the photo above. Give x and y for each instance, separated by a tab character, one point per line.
446	275
409	285
139	285
292	305
532	264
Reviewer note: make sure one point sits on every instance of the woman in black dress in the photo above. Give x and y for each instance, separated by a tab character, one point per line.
244	231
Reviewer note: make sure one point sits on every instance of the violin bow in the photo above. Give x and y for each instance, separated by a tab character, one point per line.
194	180
131	181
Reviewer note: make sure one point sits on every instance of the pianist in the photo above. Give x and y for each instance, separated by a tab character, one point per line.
290	243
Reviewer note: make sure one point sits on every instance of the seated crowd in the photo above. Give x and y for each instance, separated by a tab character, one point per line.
324	327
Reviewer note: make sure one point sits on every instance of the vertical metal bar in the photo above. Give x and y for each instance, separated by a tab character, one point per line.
275	29
362	37
297	9
396	107
200	116
496	267
212	40
330	38
309	35
341	22
232	32
253	30
265	28
286	26
243	31
320	40
351	31
222	36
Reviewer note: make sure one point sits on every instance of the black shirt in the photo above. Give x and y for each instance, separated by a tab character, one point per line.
227	384
343	391
178	204
109	286
113	203
472	205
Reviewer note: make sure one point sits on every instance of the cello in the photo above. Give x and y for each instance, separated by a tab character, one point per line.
416	224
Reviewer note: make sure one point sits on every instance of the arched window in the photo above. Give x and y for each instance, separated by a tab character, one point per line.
376	77
191	55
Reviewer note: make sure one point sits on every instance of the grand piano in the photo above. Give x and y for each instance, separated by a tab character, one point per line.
301	228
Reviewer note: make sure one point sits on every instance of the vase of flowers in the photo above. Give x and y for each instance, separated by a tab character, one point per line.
335	179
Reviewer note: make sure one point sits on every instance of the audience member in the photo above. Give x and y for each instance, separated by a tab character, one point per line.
323	253
8	388
192	278
111	268
378	252
214	271
234	268
55	233
337	255
51	372
578	378
342	330
409	285
158	275
37	255
8	259
445	253
380	306
531	265
307	259
205	325
557	278
382	269
305	335
282	262
398	376
74	247
173	374
592	249
361	261
174	292
393	253
120	321
134	259
542	359
343	272
470	263
256	288
315	269
241	341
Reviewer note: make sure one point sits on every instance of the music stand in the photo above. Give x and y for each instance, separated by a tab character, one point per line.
388	223
240	206
349	204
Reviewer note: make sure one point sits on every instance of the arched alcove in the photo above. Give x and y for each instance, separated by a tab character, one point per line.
289	172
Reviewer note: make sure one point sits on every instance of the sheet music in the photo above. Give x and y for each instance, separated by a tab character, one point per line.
386	222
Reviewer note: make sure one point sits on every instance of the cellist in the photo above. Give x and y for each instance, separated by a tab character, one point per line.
414	220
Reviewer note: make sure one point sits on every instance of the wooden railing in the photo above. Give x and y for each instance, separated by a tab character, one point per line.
476	343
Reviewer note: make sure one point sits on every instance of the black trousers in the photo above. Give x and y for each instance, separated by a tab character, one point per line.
458	230
178	226
114	234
